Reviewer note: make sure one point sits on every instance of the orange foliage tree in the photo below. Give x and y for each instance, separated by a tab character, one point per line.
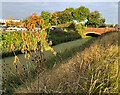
32	19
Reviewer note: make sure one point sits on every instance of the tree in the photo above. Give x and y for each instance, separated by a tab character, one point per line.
71	10
46	16
95	19
81	13
32	19
61	17
102	22
55	18
116	25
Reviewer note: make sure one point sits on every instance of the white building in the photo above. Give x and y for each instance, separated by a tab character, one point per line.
3	21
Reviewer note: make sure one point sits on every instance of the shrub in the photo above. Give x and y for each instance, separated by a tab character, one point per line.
80	29
60	36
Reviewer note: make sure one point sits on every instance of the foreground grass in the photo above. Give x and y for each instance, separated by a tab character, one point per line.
7	62
94	70
64	51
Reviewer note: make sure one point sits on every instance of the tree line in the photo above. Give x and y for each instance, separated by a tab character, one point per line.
94	19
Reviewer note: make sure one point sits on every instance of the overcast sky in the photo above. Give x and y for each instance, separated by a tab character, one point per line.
20	10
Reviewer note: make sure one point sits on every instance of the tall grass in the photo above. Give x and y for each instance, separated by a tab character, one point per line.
93	70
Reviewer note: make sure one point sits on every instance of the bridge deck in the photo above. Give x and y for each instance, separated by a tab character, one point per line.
98	30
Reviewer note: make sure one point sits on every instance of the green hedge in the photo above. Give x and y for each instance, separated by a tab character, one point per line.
58	36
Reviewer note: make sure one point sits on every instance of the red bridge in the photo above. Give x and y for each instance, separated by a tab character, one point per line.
98	31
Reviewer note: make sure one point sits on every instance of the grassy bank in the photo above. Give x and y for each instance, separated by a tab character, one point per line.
92	70
64	51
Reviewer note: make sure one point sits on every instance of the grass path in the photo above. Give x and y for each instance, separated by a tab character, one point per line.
7	62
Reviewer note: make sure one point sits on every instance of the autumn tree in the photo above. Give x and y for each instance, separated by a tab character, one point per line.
32	19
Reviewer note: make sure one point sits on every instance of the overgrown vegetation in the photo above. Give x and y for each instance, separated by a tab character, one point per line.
57	36
22	77
93	70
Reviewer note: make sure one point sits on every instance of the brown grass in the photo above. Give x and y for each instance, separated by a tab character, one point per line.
94	70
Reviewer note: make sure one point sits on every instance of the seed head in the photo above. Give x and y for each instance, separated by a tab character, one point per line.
52	50
54	53
28	45
38	34
24	25
24	47
41	21
14	34
28	38
27	42
38	30
49	25
16	58
22	50
50	43
36	38
44	35
23	34
31	34
28	26
28	56
32	26
12	47
14	63
43	26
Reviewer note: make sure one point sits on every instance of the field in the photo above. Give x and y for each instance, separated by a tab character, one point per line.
85	61
59	47
56	61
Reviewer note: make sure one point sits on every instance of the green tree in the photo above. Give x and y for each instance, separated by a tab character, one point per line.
81	13
65	16
80	28
71	10
116	25
102	22
61	17
54	17
95	19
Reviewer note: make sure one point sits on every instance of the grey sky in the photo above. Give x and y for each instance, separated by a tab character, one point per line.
20	10
60	0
